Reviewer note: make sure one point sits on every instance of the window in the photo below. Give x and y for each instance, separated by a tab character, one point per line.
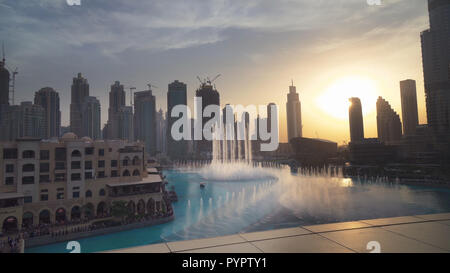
101	174
44	178
60	165
125	161
114	174
101	152
126	173
28	168
88	194
27	180
76	153
101	163
9	180
28	199
9	168
102	192
60	195
60	153
28	154
89	151
75	165
76	194
88	165
75	177
88	175
60	177
44	155
113	163
44	197
9	153
44	167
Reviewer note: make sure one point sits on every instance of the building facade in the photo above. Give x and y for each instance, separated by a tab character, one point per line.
356	120
176	95
91	117
48	98
79	90
410	116
145	125
54	181
115	110
209	96
436	68
389	127
293	114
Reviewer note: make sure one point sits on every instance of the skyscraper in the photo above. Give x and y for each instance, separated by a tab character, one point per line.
356	120
210	96
48	98
436	68
80	90
116	102
26	120
145	119
4	83
125	123
389	127
293	113
91	118
161	131
410	115
176	95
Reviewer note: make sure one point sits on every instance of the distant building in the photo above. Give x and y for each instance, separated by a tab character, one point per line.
161	131
48	98
176	95
410	116
436	69
371	151
116	102
389	127
145	126
356	120
79	90
293	114
210	96
4	83
312	151
64	129
91	118
26	120
125	123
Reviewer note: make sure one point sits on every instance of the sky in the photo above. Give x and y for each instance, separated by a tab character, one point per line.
257	46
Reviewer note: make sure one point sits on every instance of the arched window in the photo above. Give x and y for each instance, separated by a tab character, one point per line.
44	217
125	161
102	192
28	168
126	173
136	161
136	173
28	154
88	194
76	153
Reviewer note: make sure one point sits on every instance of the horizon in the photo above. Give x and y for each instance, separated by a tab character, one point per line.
246	43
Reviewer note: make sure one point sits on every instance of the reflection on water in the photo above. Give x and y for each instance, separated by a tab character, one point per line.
279	200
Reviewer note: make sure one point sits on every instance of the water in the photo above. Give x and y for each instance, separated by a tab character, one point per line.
273	198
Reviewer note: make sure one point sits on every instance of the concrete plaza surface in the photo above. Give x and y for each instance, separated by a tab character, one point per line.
413	234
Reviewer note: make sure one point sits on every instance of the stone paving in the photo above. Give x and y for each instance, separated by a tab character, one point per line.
416	234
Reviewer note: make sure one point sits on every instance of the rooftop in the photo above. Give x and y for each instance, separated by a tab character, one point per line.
416	234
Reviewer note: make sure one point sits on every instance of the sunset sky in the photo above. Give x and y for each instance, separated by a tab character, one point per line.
324	46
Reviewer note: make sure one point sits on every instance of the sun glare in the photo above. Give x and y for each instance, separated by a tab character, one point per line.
334	100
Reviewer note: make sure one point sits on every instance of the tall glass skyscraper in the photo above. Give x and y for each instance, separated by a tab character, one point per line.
176	95
356	120
436	68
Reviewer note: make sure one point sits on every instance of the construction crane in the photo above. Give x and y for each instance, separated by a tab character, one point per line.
151	85
12	86
211	81
207	81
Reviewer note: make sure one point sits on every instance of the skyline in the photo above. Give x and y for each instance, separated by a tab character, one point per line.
391	35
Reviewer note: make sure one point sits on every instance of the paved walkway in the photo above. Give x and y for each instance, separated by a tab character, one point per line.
420	233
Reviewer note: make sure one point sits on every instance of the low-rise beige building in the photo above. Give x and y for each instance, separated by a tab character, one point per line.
71	178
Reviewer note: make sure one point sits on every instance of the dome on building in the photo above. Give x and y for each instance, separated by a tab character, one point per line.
69	136
87	139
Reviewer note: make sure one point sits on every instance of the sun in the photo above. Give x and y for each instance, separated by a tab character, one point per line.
334	100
